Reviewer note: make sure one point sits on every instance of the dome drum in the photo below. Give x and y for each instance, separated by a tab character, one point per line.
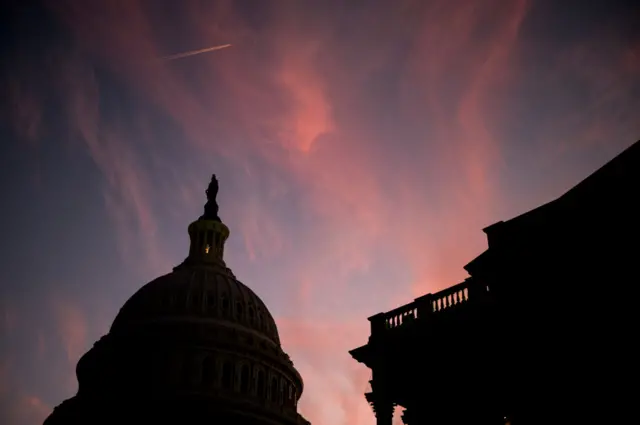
156	339
154	371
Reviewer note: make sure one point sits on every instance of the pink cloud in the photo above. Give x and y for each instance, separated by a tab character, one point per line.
331	376
18	407
26	116
72	326
447	53
9	318
25	410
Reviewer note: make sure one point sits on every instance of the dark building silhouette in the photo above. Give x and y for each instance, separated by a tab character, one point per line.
542	332
194	346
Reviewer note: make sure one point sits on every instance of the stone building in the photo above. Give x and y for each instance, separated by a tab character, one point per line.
543	331
194	346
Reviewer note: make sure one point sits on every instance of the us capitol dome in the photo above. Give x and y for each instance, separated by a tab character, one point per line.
195	346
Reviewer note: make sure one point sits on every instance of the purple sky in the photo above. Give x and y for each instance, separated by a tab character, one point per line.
361	146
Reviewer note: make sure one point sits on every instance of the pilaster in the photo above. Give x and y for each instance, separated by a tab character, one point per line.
382	407
384	412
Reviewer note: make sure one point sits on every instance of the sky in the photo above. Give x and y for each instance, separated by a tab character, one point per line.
361	146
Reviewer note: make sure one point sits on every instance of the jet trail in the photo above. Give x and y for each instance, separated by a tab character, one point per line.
193	52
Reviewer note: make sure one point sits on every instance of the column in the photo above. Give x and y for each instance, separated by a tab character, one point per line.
407	417
384	411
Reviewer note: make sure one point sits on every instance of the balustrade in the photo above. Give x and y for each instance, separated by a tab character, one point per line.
446	300
451	297
400	316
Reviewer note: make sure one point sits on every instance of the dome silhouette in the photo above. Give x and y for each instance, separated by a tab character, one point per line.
193	346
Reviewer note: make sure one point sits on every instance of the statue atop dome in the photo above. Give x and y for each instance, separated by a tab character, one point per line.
211	207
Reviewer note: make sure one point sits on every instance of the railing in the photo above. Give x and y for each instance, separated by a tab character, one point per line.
401	315
448	299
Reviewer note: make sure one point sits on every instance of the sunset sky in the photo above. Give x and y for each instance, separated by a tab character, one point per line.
360	145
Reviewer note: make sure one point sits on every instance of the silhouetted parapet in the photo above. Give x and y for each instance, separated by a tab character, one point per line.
400	316
419	315
424	307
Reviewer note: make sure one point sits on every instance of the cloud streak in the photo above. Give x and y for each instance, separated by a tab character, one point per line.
194	52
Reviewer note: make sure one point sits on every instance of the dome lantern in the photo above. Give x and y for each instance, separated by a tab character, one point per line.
208	234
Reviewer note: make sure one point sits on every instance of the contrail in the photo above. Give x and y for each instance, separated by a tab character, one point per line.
193	52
